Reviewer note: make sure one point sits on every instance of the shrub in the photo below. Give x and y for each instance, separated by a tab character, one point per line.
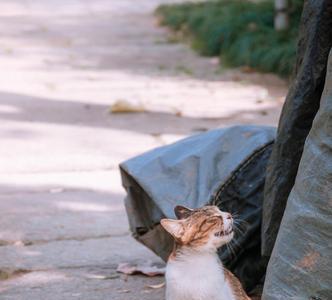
240	31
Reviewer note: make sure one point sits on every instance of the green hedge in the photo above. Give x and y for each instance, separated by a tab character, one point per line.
240	31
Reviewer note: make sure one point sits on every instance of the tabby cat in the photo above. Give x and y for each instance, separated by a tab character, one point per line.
194	270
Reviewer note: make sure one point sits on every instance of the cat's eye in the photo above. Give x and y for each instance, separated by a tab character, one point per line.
211	220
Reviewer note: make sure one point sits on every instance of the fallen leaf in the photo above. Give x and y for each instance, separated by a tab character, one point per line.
176	111
9	51
19	243
76	295
236	78
247	69
124	291
124	106
56	190
50	85
200	129
103	277
156	134
215	61
147	269
263	112
92	276
156	286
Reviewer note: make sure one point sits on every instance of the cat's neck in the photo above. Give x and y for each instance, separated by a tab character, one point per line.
196	272
189	268
185	254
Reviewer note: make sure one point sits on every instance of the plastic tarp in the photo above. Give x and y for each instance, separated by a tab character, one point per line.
225	167
299	173
299	110
301	262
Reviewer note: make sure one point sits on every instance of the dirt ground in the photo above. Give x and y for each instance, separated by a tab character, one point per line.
63	227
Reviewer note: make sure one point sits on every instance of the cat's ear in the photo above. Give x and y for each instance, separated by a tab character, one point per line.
182	212
173	227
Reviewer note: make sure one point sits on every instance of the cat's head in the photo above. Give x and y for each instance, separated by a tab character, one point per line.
205	228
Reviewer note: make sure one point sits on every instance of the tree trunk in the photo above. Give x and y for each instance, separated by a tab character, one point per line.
281	20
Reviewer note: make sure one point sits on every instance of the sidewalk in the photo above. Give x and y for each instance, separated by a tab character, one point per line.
63	227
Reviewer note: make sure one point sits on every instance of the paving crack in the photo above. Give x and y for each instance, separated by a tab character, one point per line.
108	271
78	170
28	243
53	189
6	274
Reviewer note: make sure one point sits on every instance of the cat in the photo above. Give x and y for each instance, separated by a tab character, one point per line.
194	270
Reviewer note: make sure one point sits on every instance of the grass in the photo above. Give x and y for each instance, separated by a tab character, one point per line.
241	32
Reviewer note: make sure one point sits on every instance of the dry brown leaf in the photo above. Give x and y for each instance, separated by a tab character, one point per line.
156	286
247	69
146	269
124	106
124	291
103	277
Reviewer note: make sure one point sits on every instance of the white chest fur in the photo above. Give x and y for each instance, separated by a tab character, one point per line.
196	276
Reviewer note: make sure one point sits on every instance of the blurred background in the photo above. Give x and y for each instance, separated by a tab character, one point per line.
85	85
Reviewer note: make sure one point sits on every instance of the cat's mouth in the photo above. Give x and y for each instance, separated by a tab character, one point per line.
224	232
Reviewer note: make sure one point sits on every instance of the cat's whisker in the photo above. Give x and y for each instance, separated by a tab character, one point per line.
217	201
231	250
214	202
239	227
241	221
242	225
236	243
238	232
235	214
